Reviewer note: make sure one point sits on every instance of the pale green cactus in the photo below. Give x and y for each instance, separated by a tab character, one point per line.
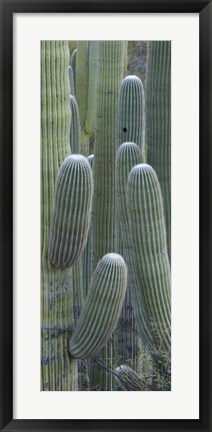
75	126
148	236
102	307
71	212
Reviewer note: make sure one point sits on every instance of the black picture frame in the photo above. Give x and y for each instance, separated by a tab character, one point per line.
204	8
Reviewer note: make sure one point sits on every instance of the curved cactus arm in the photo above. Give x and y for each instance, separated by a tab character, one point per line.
158	121
148	236
71	213
102	307
131	112
129	155
75	126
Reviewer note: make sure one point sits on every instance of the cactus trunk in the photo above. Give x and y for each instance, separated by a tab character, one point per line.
58	371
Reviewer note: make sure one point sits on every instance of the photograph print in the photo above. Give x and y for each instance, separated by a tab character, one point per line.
105	215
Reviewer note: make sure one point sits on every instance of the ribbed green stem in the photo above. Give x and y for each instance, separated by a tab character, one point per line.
71	80
131	112
73	64
148	234
92	88
87	257
75	126
58	371
102	307
158	121
111	66
129	155
71	212
82	79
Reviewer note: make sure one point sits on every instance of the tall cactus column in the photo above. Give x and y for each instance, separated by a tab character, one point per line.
111	67
58	371
158	121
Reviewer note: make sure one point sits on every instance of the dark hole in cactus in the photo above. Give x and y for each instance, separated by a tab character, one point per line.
124	130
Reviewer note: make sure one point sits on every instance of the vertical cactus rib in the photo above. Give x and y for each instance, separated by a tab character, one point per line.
129	155
131	112
102	307
158	121
72	211
75	126
58	371
73	64
148	234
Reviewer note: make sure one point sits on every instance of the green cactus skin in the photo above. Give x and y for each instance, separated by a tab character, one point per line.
102	307
131	112
129	155
158	121
71	213
92	87
111	67
129	380
110	74
73	64
148	235
71	80
75	126
82	79
87	256
58	371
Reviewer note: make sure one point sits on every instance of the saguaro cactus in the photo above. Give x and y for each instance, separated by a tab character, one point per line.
129	155
58	371
72	211
148	234
158	121
75	126
102	307
131	112
111	67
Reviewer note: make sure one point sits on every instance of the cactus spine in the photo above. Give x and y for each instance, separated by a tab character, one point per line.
75	126
73	64
158	121
131	112
148	234
58	371
71	213
102	307
71	80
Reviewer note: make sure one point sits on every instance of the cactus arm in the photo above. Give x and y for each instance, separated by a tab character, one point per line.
129	155
102	307
71	213
131	112
92	87
148	235
75	126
